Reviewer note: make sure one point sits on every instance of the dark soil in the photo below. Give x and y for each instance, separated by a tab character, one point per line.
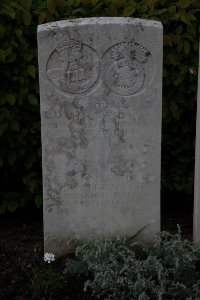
21	261
21	256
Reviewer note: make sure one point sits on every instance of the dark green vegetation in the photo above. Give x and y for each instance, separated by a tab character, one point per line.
20	151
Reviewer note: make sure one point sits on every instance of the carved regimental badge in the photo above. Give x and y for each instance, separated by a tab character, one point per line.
130	68
73	67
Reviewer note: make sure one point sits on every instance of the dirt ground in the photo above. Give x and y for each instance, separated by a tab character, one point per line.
21	260
21	255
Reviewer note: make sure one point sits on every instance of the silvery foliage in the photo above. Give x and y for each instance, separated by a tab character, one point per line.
167	269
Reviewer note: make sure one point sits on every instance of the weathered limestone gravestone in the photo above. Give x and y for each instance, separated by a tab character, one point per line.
100	87
196	214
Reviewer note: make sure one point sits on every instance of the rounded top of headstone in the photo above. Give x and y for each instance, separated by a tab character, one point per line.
100	21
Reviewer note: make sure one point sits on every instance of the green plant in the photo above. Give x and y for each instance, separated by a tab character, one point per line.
48	283
167	269
20	152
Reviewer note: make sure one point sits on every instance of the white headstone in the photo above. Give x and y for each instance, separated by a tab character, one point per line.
100	89
196	214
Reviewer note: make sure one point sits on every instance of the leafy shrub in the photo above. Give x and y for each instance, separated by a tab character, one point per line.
20	151
167	269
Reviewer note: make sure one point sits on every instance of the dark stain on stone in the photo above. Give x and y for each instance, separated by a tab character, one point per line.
147	53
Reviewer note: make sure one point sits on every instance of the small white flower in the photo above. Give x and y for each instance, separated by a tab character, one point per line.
49	257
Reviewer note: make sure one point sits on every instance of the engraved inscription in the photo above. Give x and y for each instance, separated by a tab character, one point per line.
130	68
90	122
115	200
73	67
